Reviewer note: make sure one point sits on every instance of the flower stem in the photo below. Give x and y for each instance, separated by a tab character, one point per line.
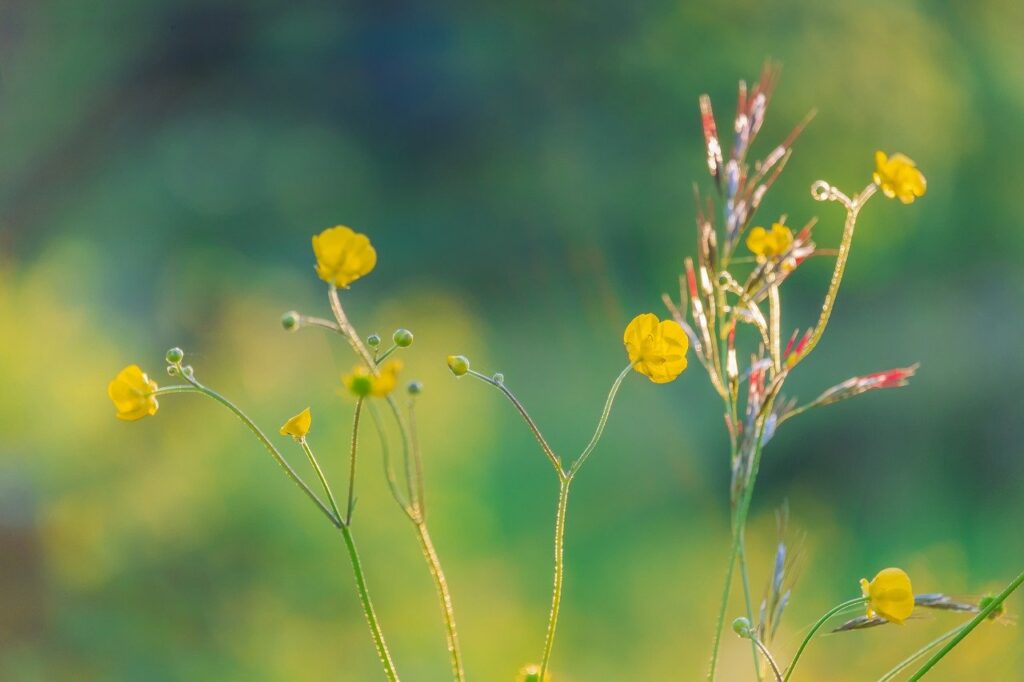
918	654
434	563
556	592
759	646
754	643
371	615
966	629
352	462
602	421
320	474
814	629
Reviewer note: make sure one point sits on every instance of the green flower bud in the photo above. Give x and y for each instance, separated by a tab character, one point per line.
741	626
372	340
402	338
415	388
291	321
458	364
175	356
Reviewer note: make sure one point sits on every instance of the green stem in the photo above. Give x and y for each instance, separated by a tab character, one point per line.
759	646
348	331
320	474
556	592
814	629
602	421
448	613
744	578
352	462
552	457
918	654
371	615
260	436
966	629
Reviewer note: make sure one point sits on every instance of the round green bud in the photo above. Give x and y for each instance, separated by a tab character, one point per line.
458	364
372	340
172	370
291	321
402	338
415	388
741	626
498	378
175	356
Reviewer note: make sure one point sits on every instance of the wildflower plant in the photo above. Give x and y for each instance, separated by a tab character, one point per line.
729	298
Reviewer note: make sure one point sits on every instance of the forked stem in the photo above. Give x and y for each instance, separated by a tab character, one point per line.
814	629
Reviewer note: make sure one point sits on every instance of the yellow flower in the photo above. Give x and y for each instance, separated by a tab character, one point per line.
132	393
889	595
298	426
898	177
770	244
343	255
531	673
361	381
656	349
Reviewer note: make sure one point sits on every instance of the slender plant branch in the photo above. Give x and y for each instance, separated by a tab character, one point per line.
994	604
759	645
389	470
348	331
260	436
444	596
744	578
906	662
350	506
602	421
814	629
552	457
313	462
556	591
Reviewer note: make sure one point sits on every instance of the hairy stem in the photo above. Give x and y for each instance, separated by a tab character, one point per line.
448	613
745	579
371	615
556	591
352	462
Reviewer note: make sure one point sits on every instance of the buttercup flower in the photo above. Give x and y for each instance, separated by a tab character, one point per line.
770	244
898	177
656	348
361	382
298	426
889	595
132	394
343	255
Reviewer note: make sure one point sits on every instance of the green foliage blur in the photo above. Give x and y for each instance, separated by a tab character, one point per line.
525	172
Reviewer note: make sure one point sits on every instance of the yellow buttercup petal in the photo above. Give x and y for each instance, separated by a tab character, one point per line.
132	393
362	382
657	349
770	244
298	426
898	177
343	255
889	594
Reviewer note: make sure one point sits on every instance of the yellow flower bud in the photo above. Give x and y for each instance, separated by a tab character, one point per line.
343	255
298	426
898	177
132	391
656	348
458	364
770	244
363	383
889	595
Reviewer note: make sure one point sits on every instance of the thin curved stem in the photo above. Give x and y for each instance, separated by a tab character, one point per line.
556	591
262	438
814	629
906	662
744	578
368	611
348	331
389	470
407	456
417	462
555	462
313	462
601	422
966	629
352	462
759	646
444	596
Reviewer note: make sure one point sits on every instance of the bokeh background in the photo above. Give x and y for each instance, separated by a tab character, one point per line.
525	173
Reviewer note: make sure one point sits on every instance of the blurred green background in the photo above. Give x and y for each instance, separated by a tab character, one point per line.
525	174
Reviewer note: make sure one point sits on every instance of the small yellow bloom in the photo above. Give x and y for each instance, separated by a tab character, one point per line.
770	244
361	381
656	348
343	255
898	177
889	595
132	394
298	426
531	673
